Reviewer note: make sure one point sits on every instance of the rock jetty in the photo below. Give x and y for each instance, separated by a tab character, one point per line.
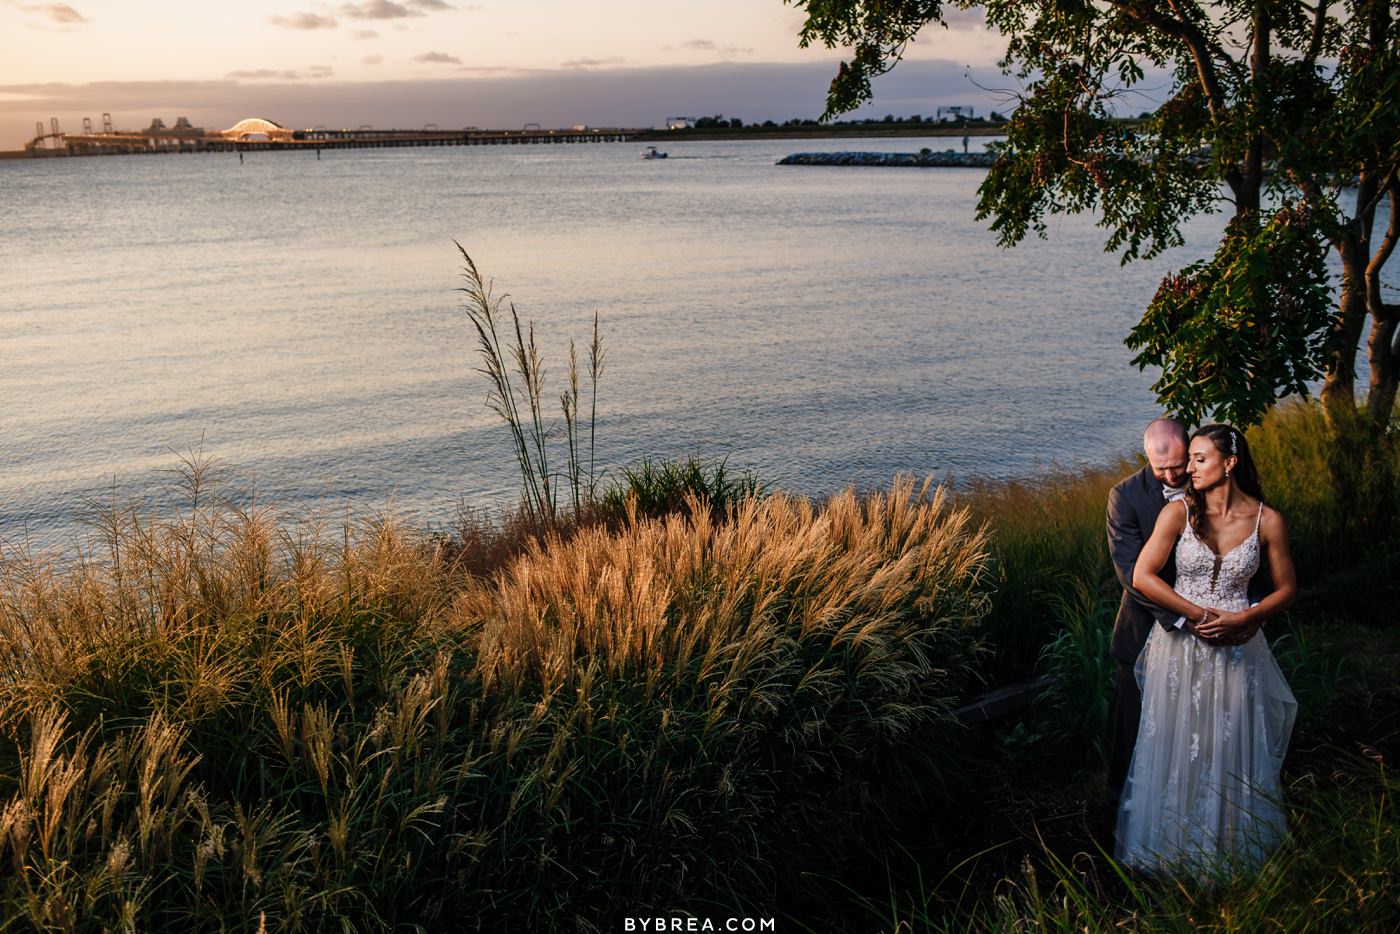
925	159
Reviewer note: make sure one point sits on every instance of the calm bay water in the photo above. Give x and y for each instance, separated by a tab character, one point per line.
296	318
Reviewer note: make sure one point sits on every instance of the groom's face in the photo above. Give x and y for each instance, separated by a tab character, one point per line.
1169	465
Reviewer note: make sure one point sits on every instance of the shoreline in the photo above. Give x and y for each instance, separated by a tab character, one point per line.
873	131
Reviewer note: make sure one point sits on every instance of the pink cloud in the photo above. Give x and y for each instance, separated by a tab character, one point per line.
304	21
437	58
379	9
60	13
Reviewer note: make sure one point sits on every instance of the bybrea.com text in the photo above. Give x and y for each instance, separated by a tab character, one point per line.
688	925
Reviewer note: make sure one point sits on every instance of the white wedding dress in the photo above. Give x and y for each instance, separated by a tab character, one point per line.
1203	791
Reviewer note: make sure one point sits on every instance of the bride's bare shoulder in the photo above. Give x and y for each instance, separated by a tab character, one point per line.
1172	518
1272	523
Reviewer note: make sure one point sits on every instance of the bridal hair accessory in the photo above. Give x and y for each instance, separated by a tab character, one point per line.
1233	451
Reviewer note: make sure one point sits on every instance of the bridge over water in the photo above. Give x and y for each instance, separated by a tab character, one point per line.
258	134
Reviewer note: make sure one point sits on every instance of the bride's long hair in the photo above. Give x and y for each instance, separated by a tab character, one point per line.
1229	441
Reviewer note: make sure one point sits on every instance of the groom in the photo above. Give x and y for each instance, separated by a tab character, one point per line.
1133	505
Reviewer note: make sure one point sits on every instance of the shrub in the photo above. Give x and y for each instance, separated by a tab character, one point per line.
661	487
225	720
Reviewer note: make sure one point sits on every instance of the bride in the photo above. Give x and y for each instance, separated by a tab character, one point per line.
1203	788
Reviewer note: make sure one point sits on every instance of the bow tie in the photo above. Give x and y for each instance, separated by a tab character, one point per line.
1172	494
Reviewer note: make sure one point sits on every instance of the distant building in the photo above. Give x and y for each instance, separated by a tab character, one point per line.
680	123
254	129
954	113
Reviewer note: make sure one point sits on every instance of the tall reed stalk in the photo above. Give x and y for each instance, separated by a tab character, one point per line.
520	406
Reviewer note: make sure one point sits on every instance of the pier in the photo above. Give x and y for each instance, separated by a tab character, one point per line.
257	135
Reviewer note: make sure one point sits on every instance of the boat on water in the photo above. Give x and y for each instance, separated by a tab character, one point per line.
651	153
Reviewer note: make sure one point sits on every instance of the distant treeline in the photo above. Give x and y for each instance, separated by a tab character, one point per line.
720	122
888	125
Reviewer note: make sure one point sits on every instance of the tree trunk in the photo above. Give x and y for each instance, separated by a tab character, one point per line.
1385	369
1253	168
1339	386
1381	348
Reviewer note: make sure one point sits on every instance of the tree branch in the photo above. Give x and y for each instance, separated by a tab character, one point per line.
1379	309
1319	27
1337	233
1222	57
1258	67
1202	55
1194	40
1387	184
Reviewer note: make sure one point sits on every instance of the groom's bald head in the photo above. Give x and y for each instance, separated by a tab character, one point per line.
1164	443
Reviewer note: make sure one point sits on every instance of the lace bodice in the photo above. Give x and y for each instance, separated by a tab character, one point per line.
1208	579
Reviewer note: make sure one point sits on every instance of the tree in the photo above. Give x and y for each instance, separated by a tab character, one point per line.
1284	113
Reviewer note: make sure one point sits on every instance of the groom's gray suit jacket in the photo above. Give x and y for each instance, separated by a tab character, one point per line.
1133	506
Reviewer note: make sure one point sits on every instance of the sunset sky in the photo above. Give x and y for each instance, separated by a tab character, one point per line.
406	62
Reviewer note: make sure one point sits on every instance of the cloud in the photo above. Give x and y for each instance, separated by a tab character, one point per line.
612	62
63	13
283	74
437	58
708	45
264	74
379	9
363	34
391	9
498	71
304	21
372	59
60	13
975	18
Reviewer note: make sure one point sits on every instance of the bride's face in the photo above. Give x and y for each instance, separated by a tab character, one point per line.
1205	464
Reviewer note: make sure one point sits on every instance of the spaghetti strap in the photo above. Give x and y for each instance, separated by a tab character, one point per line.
1259	518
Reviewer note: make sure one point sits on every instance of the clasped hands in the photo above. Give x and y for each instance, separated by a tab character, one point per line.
1222	627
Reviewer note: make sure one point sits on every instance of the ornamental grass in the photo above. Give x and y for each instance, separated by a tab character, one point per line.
225	718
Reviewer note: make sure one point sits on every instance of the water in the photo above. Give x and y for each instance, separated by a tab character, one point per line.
296	320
